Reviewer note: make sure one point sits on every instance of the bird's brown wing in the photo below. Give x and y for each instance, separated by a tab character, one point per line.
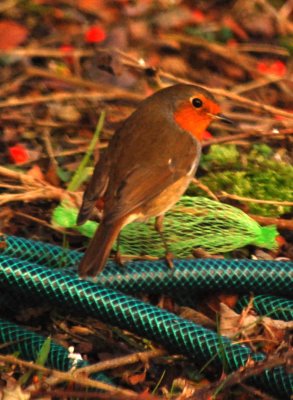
95	189
139	187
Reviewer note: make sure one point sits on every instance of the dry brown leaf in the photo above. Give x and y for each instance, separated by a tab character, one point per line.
196	317
90	5
229	299
15	393
232	323
12	34
52	176
36	173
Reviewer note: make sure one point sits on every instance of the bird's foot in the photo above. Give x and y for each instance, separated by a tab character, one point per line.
119	259
169	259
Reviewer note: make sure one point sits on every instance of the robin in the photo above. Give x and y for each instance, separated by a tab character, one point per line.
147	166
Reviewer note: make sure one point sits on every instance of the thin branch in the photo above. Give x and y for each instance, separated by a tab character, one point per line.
120	361
34	189
279	222
217	91
205	188
47	52
244	61
45	223
20	176
251	200
65	96
256	393
245	135
251	369
69	377
33	195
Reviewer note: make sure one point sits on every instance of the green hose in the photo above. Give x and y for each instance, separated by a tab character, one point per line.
189	277
155	277
68	292
20	274
271	306
28	344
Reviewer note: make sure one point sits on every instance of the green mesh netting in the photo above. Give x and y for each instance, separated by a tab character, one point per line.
192	223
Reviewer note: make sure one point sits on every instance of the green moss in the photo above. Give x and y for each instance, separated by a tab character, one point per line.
256	175
220	156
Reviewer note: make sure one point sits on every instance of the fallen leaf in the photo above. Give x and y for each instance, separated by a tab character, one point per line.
36	172
232	323
134	379
90	5
15	393
52	175
229	299
12	34
196	317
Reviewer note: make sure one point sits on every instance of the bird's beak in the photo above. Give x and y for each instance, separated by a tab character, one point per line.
222	118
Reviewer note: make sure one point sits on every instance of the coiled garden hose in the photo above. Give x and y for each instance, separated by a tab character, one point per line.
270	306
28	344
70	293
155	277
189	275
64	289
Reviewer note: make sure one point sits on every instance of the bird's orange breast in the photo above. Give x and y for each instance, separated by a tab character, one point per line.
192	120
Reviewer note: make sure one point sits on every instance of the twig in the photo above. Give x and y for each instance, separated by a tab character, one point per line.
262	48
120	361
244	373
255	84
204	188
68	393
47	52
69	377
251	200
244	61
229	138
256	393
72	80
65	96
280	223
45	223
34	189
220	92
20	176
84	83
49	147
10	86
45	193
256	369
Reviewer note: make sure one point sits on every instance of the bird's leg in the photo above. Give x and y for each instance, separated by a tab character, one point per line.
159	229
118	256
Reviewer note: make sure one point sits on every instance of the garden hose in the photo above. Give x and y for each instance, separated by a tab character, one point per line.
21	274
68	292
189	277
28	344
258	276
270	306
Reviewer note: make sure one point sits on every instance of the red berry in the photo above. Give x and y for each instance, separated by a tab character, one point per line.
95	34
18	154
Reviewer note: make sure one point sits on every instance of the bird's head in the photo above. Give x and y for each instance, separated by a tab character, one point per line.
194	109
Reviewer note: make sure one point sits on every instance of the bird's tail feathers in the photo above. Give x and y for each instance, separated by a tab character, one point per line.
99	248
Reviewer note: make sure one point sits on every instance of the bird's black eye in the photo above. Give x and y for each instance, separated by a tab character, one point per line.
196	102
